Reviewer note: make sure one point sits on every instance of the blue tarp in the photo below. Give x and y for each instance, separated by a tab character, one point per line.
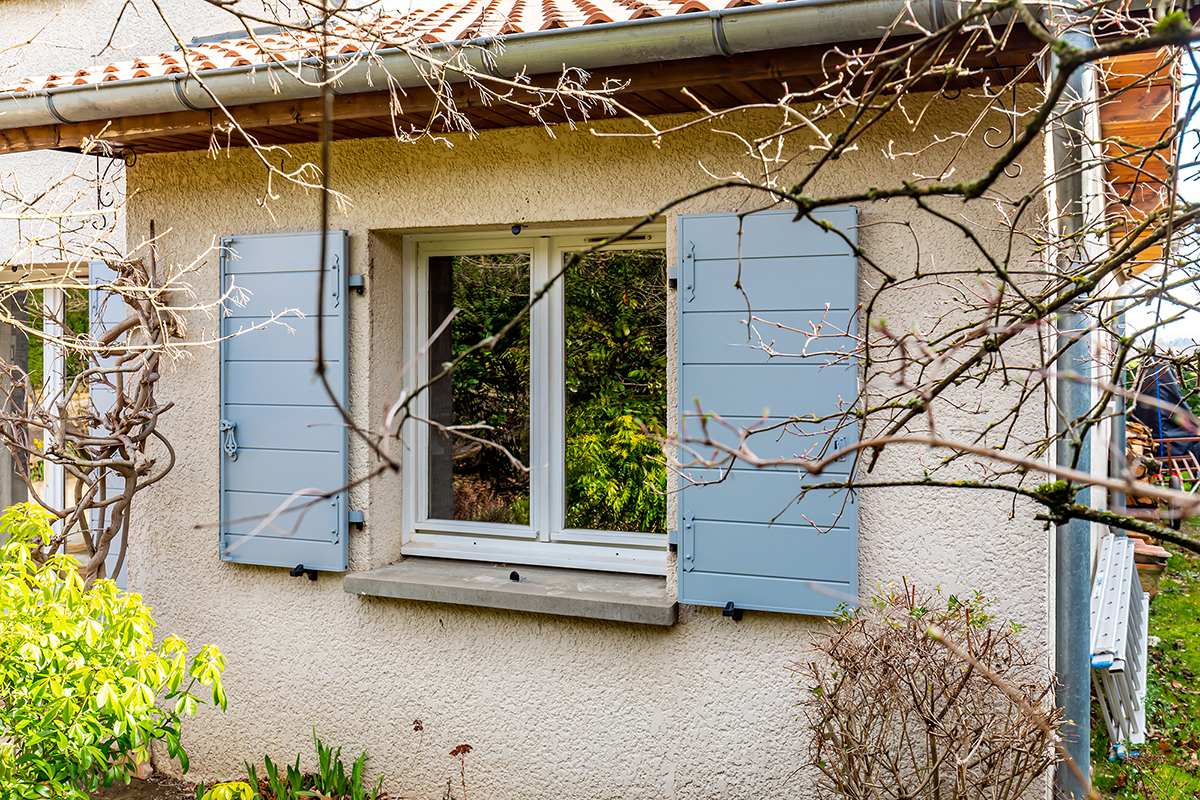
1172	419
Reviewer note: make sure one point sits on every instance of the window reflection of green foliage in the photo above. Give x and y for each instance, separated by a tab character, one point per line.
491	386
616	370
616	365
1190	385
75	302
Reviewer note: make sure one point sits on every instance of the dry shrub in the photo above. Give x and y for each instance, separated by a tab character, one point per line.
477	500
895	714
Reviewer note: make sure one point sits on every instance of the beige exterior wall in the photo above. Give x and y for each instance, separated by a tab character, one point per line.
553	707
40	37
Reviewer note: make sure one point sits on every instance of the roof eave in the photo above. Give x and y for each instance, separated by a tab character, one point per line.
716	33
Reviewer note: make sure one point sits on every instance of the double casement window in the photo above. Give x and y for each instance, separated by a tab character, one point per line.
63	306
535	436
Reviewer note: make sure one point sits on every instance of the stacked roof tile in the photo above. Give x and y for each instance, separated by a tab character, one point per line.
449	22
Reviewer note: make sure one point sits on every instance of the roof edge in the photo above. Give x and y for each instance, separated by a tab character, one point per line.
725	32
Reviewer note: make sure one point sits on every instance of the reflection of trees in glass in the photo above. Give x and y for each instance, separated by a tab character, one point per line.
75	302
616	364
491	387
75	308
616	370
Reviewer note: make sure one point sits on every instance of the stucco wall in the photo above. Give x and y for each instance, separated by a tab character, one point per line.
553	707
40	37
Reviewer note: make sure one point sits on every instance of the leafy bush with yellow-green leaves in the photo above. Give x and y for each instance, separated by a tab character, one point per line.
84	689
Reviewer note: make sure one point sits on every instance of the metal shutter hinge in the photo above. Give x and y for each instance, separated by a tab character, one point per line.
673	541
355	518
337	288
689	543
689	286
357	282
335	528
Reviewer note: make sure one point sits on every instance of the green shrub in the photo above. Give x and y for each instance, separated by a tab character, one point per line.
80	673
232	790
331	781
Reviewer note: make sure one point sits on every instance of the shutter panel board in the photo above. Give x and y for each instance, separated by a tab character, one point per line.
745	539
297	335
814	278
105	310
807	442
759	497
746	390
720	337
289	435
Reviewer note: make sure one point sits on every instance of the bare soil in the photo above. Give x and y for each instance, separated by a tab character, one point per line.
156	788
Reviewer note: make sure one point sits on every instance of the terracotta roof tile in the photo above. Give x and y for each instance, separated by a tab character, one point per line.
425	21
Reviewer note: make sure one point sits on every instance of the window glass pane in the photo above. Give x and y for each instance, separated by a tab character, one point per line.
75	317
34	353
472	480
616	391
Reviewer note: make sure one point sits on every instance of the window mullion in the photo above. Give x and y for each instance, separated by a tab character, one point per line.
53	391
541	433
416	320
556	400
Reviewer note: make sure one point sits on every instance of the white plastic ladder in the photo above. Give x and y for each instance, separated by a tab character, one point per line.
1120	612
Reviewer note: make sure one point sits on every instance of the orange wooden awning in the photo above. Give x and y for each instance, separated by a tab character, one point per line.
1138	110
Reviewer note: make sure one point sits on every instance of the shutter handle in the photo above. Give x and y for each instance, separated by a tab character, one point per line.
229	428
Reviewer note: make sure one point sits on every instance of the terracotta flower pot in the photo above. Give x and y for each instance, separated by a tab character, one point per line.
1150	560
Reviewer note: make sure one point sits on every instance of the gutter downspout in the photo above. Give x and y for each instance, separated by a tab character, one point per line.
1073	540
716	33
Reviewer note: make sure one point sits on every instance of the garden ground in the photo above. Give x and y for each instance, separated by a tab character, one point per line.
1168	767
157	788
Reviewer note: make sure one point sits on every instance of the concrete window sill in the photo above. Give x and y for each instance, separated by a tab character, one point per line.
613	596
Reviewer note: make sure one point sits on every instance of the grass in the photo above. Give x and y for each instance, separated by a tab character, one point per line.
1167	766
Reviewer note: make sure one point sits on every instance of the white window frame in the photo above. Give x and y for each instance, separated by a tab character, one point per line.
545	541
53	374
53	389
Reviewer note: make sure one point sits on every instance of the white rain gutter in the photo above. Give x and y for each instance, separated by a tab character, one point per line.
716	33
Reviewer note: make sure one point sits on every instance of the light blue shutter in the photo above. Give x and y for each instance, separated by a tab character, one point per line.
280	432
743	540
106	309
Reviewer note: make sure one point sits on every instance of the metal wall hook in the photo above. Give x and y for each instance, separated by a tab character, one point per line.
1010	137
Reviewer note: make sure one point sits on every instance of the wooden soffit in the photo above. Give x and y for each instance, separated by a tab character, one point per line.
652	89
1138	110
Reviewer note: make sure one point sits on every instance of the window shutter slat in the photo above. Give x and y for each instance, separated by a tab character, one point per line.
280	432
744	539
106	309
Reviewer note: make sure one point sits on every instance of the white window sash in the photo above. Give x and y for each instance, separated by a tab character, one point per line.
545	541
53	393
